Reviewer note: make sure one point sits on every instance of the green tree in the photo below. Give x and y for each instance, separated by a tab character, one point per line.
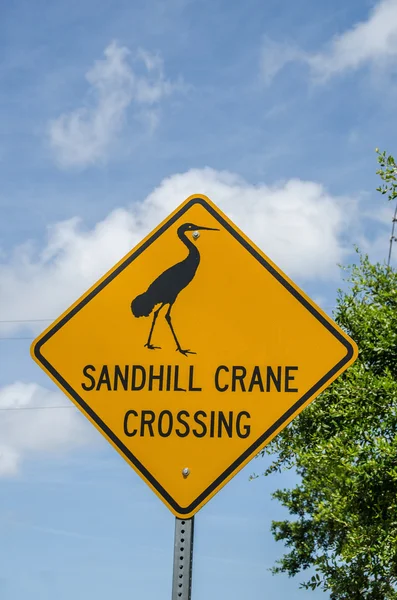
343	511
388	173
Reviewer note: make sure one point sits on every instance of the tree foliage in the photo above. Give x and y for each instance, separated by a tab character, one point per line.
388	173
343	511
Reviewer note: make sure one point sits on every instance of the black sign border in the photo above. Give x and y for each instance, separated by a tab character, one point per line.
260	442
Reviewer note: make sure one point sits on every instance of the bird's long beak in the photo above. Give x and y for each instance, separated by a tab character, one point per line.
207	228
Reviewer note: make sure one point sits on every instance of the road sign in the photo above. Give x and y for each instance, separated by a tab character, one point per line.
192	353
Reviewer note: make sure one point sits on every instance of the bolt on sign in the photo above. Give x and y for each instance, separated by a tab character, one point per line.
192	353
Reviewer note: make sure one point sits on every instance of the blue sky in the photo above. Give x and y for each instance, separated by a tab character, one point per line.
111	114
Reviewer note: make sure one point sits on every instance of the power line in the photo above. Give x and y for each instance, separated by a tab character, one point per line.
17	338
19	408
10	321
24	320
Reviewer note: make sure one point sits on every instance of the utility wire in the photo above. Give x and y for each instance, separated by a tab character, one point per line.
24	320
392	237
17	338
19	408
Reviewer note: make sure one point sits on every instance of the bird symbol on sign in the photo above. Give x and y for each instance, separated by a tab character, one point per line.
166	288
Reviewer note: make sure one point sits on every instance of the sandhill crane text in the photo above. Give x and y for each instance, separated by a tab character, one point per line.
173	378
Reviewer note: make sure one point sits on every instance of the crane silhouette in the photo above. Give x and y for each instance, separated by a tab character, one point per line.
166	288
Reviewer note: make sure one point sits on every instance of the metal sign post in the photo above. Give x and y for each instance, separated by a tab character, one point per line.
183	559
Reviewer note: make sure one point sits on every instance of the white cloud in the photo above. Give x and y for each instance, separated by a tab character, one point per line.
26	430
274	57
84	136
369	42
297	223
372	42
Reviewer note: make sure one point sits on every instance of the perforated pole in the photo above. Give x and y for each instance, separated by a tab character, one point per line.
183	559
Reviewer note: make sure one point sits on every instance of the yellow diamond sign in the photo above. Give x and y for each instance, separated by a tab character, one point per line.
192	353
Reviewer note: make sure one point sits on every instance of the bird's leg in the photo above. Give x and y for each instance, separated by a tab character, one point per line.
149	341
178	346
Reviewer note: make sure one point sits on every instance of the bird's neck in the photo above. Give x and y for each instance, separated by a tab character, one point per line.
193	252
